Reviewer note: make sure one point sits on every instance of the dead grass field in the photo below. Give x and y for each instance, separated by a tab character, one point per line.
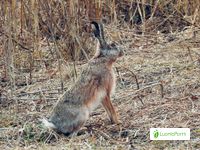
168	76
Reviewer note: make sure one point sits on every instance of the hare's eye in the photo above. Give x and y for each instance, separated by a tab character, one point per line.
113	45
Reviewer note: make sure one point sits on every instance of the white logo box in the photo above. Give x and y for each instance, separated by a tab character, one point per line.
169	134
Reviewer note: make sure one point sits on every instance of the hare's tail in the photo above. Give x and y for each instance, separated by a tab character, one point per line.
47	123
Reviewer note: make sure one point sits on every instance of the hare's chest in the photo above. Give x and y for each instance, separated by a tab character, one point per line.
110	82
98	97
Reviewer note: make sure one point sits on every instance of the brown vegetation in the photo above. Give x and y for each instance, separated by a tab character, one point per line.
45	44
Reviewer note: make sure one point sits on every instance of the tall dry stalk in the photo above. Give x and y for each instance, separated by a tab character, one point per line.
9	46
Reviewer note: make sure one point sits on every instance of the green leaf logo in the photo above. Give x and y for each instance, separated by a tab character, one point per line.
156	134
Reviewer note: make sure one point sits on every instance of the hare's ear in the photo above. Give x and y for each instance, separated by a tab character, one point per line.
99	34
96	29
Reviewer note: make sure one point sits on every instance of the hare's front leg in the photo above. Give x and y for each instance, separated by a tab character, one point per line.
107	104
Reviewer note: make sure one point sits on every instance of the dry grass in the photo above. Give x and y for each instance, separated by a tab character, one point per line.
169	64
44	46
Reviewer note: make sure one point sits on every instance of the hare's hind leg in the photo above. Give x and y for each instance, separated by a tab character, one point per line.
107	104
72	125
75	130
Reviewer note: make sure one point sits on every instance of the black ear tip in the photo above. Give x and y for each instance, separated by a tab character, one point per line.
96	30
95	24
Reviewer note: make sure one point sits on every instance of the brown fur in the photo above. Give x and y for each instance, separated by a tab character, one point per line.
94	87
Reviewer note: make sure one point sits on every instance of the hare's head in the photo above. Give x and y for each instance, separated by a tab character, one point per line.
110	51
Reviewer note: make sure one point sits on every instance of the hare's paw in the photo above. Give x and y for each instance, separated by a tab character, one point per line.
115	120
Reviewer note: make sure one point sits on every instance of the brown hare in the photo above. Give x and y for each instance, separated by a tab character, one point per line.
94	87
